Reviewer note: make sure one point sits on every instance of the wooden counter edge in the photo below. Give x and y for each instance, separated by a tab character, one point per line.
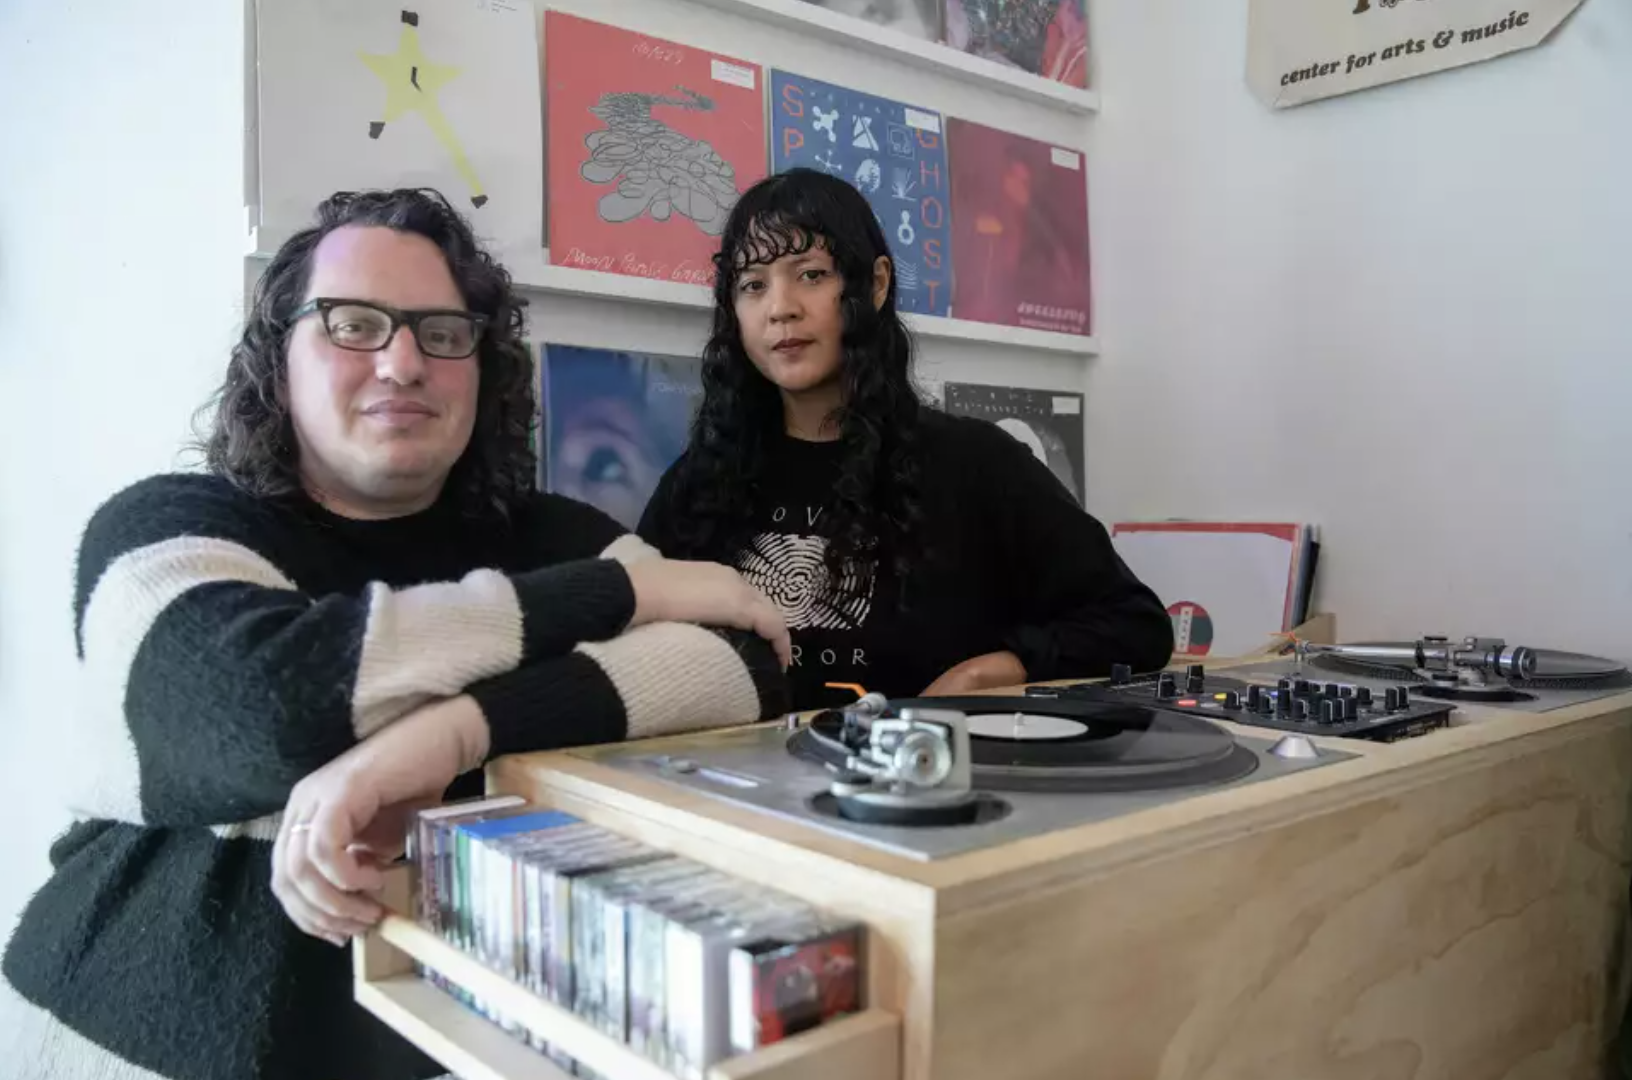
997	874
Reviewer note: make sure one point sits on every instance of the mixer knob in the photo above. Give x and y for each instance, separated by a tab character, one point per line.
1302	710
1266	705
1196	671
1301	686
1347	691
1405	697
1331	689
1283	704
1166	687
1363	695
1232	700
1255	694
1391	699
1330	711
1351	709
1195	683
1283	685
1121	674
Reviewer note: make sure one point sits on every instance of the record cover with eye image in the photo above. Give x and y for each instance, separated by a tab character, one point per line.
612	422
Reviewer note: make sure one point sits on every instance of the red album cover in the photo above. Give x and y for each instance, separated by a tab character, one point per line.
1020	230
649	145
797	987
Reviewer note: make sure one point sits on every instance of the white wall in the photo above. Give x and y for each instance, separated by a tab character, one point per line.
1405	315
121	227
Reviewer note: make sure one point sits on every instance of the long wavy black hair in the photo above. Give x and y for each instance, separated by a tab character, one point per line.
873	520
250	437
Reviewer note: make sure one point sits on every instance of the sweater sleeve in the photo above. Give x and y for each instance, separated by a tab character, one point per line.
1078	607
657	679
212	682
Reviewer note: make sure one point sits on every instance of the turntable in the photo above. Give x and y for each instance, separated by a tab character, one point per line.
1304	907
933	777
1475	670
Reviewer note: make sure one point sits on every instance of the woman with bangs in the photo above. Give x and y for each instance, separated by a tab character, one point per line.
911	552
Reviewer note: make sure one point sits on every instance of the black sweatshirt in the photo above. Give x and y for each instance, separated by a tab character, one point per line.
1015	565
228	647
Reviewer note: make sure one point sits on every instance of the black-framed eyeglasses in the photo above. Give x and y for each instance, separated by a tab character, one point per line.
364	326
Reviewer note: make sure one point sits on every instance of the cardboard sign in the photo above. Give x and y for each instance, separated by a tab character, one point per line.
1304	50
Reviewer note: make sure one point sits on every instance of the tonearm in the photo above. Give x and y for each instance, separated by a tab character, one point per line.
1474	660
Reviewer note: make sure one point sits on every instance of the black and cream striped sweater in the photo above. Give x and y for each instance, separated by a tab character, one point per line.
229	646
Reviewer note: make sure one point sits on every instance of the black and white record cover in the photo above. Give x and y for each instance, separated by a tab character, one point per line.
1048	422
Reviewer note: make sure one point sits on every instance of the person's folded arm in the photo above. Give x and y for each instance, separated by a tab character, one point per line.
213	682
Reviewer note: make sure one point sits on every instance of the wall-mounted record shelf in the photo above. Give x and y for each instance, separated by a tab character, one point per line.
537	273
863	1046
801	17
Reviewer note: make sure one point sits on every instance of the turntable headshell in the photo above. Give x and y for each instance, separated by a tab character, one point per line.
914	767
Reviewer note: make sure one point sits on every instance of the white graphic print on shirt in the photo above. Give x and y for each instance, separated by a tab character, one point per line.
791	571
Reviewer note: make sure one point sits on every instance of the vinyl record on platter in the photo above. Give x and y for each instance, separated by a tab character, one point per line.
1040	744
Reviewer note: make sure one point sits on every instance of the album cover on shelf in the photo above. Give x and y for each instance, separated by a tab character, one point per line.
916	18
650	143
1020	230
1048	422
895	155
1045	37
363	94
612	422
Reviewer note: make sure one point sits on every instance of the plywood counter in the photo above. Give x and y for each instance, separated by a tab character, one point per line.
1446	906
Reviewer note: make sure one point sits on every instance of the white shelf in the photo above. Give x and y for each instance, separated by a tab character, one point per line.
802	17
533	271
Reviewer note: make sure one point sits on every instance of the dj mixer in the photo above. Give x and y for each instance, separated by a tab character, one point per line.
1341	709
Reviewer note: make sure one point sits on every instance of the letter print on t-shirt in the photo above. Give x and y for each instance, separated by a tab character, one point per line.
791	571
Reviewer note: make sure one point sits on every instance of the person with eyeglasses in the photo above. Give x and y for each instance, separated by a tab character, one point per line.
360	600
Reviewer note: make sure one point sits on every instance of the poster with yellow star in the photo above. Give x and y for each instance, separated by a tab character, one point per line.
403	93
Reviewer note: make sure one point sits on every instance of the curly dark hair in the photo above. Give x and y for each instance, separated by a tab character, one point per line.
875	515
250	439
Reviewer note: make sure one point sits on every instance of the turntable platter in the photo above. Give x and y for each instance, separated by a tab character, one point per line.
1032	744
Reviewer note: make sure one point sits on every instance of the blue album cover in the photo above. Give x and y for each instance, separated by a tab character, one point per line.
895	155
612	423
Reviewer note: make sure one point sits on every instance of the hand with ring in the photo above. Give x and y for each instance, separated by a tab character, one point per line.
346	821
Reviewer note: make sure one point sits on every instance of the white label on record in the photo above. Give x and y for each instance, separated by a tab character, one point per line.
735	74
1066	159
1023	727
923	121
1067	406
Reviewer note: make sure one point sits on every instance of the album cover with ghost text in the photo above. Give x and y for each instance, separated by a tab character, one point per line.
895	155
